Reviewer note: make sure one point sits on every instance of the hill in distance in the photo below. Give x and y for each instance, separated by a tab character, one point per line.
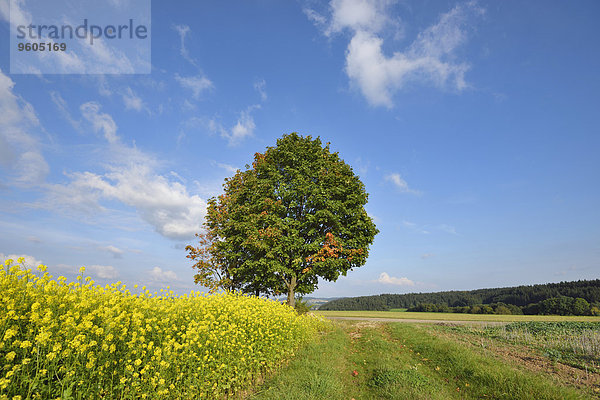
551	298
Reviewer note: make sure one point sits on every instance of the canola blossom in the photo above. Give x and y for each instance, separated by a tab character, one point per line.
84	341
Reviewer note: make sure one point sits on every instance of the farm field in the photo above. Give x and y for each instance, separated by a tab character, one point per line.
79	340
374	360
455	316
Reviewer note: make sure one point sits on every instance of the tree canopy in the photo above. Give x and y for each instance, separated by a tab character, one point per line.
295	215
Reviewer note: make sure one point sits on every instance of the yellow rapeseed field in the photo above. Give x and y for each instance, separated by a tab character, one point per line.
79	340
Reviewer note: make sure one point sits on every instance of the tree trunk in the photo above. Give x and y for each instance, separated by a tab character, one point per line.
291	300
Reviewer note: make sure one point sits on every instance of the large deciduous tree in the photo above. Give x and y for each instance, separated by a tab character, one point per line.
295	215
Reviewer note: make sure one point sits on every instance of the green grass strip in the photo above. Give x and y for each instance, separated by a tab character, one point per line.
315	372
474	374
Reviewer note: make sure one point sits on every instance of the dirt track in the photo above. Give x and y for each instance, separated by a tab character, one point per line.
419	321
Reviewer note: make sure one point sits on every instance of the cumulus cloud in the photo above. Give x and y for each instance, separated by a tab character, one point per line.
20	150
390	280
429	59
132	178
164	204
243	128
358	15
29	261
115	251
103	271
401	184
197	84
158	275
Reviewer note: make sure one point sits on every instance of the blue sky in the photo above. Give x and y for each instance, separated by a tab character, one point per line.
474	126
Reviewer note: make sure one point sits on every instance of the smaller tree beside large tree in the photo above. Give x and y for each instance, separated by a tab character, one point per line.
295	215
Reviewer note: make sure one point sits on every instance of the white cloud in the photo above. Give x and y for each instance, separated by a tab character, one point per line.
447	228
319	20
164	204
131	178
158	275
19	150
259	86
229	168
427	255
115	251
132	101
183	31
62	106
81	57
29	262
415	227
197	84
390	280
430	59
401	184
243	128
101	122
103	271
358	15
103	87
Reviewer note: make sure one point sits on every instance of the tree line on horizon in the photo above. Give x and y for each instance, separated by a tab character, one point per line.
565	298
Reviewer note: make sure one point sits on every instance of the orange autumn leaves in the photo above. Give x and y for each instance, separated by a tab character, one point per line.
331	249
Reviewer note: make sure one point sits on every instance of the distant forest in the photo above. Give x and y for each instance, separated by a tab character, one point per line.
564	298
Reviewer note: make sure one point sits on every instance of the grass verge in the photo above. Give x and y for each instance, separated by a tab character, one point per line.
367	360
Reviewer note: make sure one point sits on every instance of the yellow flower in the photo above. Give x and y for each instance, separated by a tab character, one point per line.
10	356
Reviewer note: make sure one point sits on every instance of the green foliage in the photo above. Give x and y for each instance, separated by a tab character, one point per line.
302	306
553	328
560	305
295	215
